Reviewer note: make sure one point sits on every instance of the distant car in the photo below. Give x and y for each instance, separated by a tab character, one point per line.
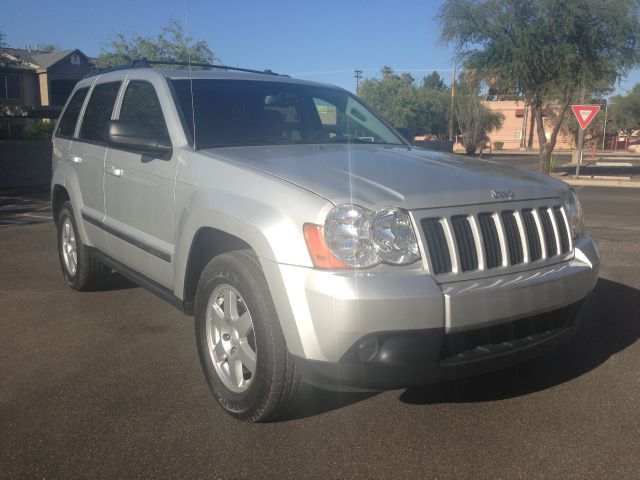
310	241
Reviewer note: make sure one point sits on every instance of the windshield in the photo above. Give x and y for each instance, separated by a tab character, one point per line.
246	112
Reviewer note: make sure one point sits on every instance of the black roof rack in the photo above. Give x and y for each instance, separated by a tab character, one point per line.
144	63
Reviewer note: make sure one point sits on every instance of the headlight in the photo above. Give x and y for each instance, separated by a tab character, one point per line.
363	238
574	213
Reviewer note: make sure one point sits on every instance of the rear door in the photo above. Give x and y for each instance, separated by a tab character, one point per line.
139	190
66	129
87	155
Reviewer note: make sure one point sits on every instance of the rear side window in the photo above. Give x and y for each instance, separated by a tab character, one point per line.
141	103
98	111
67	123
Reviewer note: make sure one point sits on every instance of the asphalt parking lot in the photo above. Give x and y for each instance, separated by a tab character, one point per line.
108	385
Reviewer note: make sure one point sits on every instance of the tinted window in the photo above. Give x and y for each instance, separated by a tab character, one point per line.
98	111
141	103
234	113
67	123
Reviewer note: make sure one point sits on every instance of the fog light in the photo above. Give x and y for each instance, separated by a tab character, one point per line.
368	349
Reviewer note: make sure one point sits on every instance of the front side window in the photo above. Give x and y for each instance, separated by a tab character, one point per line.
141	104
248	112
98	111
67	123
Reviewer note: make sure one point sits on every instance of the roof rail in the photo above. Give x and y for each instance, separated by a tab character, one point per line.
144	63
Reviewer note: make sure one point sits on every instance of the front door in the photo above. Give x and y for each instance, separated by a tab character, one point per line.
139	190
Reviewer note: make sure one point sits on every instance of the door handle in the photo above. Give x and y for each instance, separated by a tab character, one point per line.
76	160
116	172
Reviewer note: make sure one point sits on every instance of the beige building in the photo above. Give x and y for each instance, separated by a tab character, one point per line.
515	130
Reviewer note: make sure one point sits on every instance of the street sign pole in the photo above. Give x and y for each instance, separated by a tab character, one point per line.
580	149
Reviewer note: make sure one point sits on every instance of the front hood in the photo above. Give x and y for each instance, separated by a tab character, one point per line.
377	176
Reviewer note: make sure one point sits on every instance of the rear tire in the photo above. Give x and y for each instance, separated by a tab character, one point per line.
80	270
241	345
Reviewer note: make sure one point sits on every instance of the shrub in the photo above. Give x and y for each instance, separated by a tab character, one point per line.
498	145
39	130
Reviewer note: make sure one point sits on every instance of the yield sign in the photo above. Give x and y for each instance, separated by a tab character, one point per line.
585	113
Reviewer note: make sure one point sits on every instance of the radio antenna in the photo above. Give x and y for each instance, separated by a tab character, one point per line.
193	108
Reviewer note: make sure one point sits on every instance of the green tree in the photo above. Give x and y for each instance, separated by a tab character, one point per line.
474	119
171	44
545	49
396	97
433	81
625	111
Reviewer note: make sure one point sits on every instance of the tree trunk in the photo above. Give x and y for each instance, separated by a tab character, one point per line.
531	128
545	159
546	147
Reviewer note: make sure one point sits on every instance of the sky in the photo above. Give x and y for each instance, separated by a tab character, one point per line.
316	40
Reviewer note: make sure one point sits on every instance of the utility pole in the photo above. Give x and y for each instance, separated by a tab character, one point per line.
358	77
453	102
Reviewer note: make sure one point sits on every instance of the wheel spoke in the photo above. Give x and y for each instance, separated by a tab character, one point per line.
217	314
247	356
235	372
230	305
219	352
243	325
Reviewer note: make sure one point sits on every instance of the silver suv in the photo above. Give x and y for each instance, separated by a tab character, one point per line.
310	241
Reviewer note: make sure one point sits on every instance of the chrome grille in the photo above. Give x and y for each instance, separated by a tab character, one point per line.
462	244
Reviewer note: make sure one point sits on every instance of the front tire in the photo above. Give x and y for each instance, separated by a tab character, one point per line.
241	346
80	270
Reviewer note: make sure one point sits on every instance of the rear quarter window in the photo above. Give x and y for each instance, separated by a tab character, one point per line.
67	123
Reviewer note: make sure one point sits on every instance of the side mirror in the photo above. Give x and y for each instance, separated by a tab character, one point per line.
135	135
406	134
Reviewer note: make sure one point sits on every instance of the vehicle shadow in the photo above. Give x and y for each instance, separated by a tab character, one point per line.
610	324
115	281
320	401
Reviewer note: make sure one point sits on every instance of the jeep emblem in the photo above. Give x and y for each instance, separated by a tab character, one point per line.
502	194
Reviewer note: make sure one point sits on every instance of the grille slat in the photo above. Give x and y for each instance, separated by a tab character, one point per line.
466	244
562	229
490	239
514	242
533	240
549	235
437	245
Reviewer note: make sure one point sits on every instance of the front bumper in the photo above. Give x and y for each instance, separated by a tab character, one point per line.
404	359
414	320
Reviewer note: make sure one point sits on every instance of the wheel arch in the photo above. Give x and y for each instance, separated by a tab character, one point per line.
207	243
59	195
